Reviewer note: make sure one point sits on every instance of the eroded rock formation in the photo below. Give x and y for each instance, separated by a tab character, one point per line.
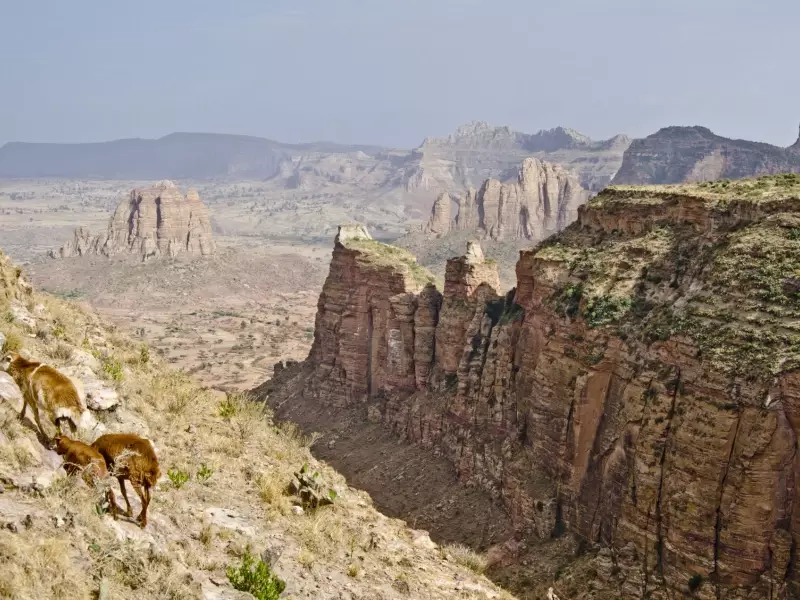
638	388
477	151
544	199
150	222
688	154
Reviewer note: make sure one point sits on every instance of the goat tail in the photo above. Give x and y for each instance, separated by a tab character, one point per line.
66	414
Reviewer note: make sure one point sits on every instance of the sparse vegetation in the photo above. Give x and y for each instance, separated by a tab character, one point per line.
113	368
255	578
466	557
13	342
204	473
378	254
178	477
62	352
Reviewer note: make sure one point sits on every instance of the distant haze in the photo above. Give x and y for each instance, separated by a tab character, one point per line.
391	72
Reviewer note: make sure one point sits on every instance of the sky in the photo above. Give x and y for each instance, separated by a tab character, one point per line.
391	72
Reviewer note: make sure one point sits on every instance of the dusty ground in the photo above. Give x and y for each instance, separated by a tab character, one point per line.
226	319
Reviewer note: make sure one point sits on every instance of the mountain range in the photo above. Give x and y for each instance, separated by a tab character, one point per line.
474	152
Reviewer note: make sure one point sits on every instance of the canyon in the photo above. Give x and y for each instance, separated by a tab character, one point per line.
636	389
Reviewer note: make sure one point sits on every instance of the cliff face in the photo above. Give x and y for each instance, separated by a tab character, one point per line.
638	388
544	199
690	154
477	151
151	222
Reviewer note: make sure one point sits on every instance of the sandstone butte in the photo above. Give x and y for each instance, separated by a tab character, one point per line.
150	222
543	200
639	387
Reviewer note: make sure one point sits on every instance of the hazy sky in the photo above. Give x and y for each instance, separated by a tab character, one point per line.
394	71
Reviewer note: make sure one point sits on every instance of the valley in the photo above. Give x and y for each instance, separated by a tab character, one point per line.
504	411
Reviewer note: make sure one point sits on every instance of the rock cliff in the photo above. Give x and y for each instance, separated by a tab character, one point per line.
690	154
639	387
477	151
150	222
543	199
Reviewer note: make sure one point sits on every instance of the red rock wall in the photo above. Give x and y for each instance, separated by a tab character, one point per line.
683	470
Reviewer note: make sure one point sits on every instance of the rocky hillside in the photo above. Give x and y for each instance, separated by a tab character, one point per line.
689	154
477	151
637	389
150	223
226	492
543	199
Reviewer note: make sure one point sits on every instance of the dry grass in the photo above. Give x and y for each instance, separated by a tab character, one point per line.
40	568
62	352
466	557
13	341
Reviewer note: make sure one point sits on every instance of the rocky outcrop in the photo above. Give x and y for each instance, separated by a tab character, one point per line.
638	388
13	285
543	199
691	154
477	151
439	223
151	222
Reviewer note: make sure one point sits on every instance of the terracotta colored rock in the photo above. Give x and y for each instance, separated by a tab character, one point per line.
640	387
544	199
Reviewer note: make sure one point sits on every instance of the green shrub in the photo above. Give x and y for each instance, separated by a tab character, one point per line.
255	578
113	368
204	473
177	477
695	581
227	408
603	310
568	300
59	332
144	355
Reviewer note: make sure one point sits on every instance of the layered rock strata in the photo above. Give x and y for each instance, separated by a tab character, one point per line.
691	154
477	151
151	222
639	388
543	200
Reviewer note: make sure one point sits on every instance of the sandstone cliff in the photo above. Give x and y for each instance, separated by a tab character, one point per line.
688	154
477	151
150	222
639	388
543	199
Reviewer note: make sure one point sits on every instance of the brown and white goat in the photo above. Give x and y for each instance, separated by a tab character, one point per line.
130	457
44	388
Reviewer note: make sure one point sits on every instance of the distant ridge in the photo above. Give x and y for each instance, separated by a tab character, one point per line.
690	154
177	155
